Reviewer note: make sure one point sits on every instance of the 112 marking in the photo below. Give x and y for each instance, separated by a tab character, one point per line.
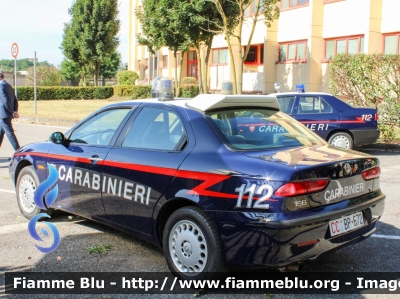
251	191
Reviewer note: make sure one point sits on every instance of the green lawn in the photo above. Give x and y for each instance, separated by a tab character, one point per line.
68	109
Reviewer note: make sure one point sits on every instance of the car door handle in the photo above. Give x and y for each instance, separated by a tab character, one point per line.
95	159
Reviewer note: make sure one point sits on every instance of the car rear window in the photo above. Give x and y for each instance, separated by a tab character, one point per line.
258	129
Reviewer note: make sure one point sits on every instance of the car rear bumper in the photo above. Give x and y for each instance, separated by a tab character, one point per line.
362	137
259	239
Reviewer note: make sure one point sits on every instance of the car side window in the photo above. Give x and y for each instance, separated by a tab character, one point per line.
158	129
100	129
286	104
313	104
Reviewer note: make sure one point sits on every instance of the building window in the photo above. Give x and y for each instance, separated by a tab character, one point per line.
391	43
220	56
251	10
165	61
255	55
345	45
251	55
293	51
287	4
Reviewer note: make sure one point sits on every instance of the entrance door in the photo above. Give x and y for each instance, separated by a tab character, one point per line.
192	64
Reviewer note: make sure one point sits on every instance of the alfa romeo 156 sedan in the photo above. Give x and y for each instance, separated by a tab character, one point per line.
195	177
331	118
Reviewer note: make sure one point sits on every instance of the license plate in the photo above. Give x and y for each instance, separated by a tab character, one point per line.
346	223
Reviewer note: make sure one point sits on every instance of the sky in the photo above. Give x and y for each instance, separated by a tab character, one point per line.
37	25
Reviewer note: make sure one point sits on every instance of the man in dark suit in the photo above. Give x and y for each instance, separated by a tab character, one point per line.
8	111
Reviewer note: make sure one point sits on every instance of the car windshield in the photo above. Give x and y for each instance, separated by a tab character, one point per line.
259	129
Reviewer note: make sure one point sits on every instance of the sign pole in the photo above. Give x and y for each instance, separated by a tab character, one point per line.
15	73
14	53
34	83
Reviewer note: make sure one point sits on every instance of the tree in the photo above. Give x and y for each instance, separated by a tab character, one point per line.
110	65
45	76
70	48
186	24
267	12
370	80
69	70
91	35
22	64
161	14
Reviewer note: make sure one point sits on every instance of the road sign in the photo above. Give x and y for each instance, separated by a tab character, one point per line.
14	50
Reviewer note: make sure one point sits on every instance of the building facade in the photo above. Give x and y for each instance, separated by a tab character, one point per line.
297	48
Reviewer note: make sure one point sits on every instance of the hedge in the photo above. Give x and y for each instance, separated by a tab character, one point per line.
134	91
370	80
189	90
64	93
103	92
143	91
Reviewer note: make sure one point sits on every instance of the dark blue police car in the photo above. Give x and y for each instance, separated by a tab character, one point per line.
195	177
331	118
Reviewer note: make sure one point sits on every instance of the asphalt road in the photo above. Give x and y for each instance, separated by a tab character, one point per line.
380	253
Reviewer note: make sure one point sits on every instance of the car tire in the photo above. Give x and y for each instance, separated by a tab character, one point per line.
27	183
191	244
342	140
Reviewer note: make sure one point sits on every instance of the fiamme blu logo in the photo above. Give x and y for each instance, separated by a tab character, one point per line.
44	198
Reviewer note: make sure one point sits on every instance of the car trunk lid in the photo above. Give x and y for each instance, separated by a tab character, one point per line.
343	168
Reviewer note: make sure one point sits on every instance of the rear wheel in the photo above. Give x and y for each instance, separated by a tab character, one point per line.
341	139
27	183
191	243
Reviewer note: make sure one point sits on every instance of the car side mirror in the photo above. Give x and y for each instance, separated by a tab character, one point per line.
57	138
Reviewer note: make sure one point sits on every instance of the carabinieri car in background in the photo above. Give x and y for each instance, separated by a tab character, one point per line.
195	177
335	121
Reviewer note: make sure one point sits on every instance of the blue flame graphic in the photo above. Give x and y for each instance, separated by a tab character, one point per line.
50	198
32	231
43	201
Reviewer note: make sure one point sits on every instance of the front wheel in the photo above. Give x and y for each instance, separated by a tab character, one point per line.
341	139
192	246
27	183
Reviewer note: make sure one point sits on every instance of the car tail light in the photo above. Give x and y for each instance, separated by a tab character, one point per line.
301	188
371	173
376	116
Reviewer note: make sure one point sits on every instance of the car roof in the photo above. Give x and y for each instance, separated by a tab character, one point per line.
206	102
